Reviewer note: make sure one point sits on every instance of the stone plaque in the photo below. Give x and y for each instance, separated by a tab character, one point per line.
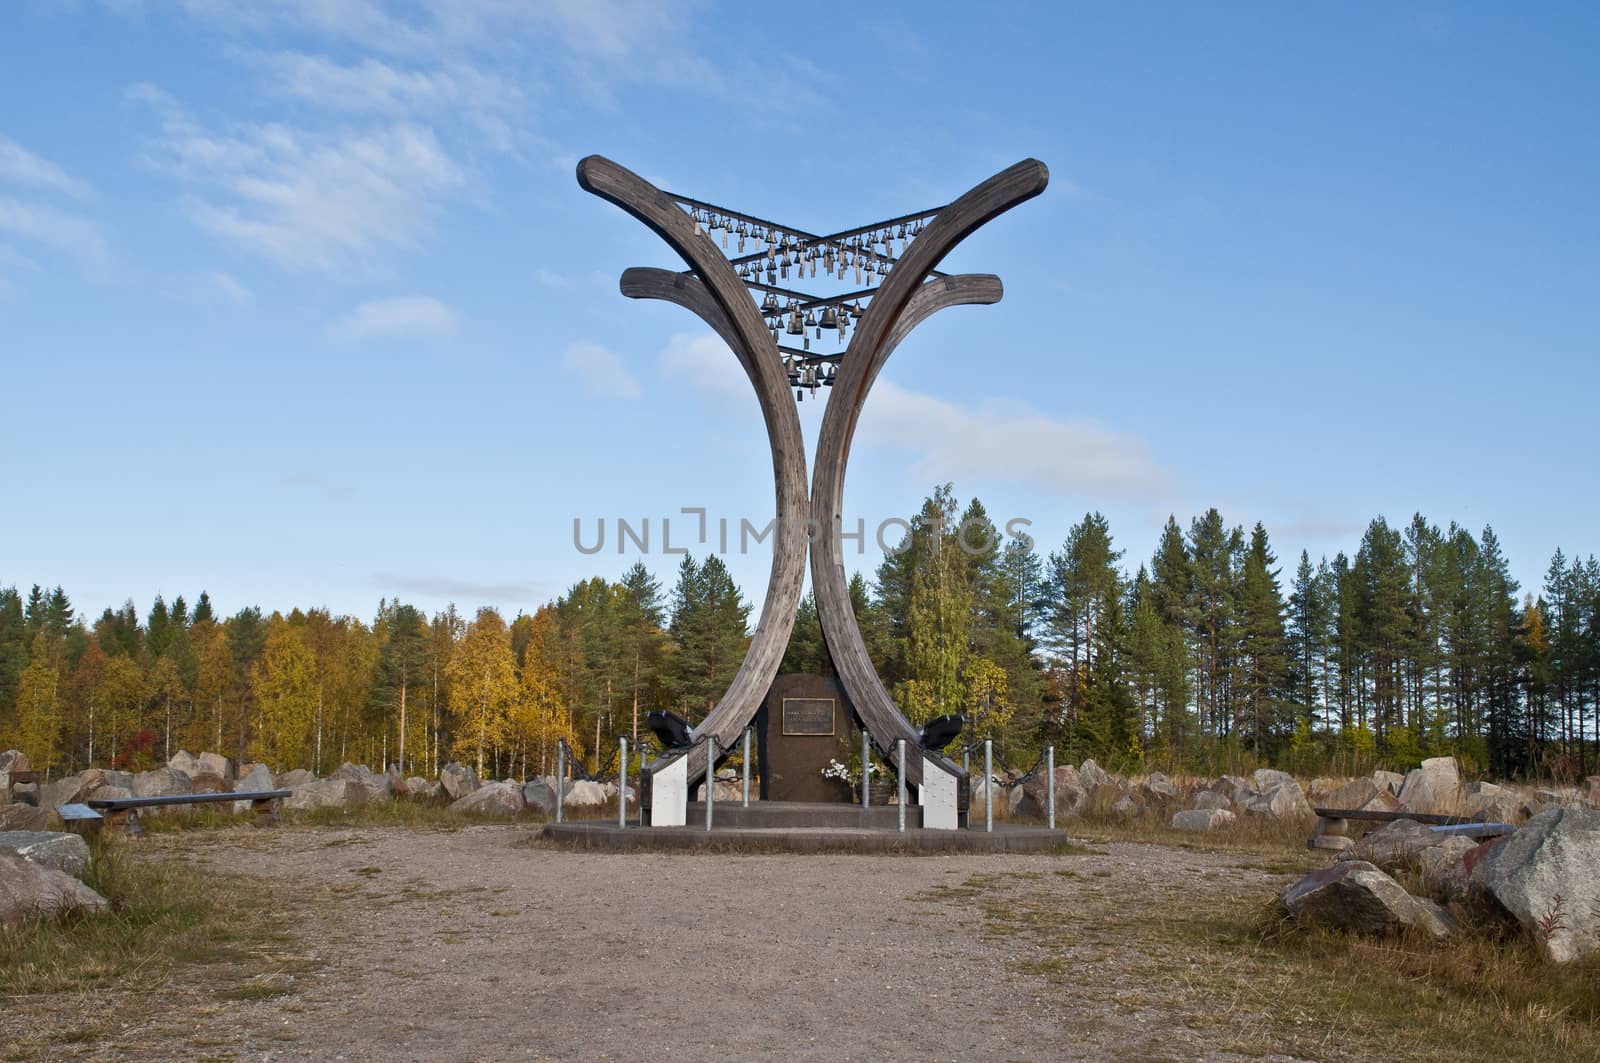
808	716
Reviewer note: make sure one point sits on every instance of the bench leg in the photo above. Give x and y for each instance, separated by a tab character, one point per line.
1332	835
264	813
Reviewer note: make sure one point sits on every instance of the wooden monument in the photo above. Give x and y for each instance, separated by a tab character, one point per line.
741	298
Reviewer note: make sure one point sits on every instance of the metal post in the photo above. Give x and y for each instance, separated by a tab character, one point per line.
622	781
641	784
988	784
1050	786
966	761
866	768
561	772
900	751
746	759
711	777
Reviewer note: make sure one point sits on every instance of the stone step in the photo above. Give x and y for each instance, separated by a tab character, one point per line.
783	814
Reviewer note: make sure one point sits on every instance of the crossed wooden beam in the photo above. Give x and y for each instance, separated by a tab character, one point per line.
714	291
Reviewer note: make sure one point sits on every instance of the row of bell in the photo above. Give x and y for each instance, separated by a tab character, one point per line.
850	251
807	377
777	266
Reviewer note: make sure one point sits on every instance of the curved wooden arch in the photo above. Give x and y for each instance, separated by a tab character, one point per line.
720	299
900	304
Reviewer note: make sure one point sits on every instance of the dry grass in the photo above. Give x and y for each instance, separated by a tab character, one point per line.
1244	977
1247	833
171	933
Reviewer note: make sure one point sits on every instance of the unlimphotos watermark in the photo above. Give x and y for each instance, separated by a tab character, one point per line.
736	536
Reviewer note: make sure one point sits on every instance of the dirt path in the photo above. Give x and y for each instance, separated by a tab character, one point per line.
466	945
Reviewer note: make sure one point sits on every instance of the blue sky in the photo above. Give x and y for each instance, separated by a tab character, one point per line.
300	302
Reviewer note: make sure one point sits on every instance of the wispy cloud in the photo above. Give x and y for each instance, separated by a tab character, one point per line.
377	86
469	592
214	286
404	317
19	166
302	198
601	371
612	29
68	233
11	258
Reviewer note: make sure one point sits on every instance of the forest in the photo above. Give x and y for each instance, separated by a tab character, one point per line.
1206	657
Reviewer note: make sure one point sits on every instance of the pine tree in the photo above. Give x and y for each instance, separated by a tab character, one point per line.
807	652
1383	579
401	668
158	629
1212	617
1309	618
643	641
13	652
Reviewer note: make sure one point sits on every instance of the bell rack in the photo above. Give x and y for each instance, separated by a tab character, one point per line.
785	252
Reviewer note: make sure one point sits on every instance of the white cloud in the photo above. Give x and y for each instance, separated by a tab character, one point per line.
990	440
305	199
704	362
601	371
404	317
1009	441
68	233
20	166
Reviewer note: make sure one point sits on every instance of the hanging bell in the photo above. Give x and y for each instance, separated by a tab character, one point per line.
811	318
795	327
829	318
770	303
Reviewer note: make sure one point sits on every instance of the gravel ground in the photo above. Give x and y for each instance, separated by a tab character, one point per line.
484	943
477	945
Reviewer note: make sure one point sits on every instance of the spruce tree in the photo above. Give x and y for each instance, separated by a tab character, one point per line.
1263	651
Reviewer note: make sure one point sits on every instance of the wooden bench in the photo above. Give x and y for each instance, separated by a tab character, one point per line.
124	811
1333	825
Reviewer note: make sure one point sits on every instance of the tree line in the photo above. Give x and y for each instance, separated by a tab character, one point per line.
1203	658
